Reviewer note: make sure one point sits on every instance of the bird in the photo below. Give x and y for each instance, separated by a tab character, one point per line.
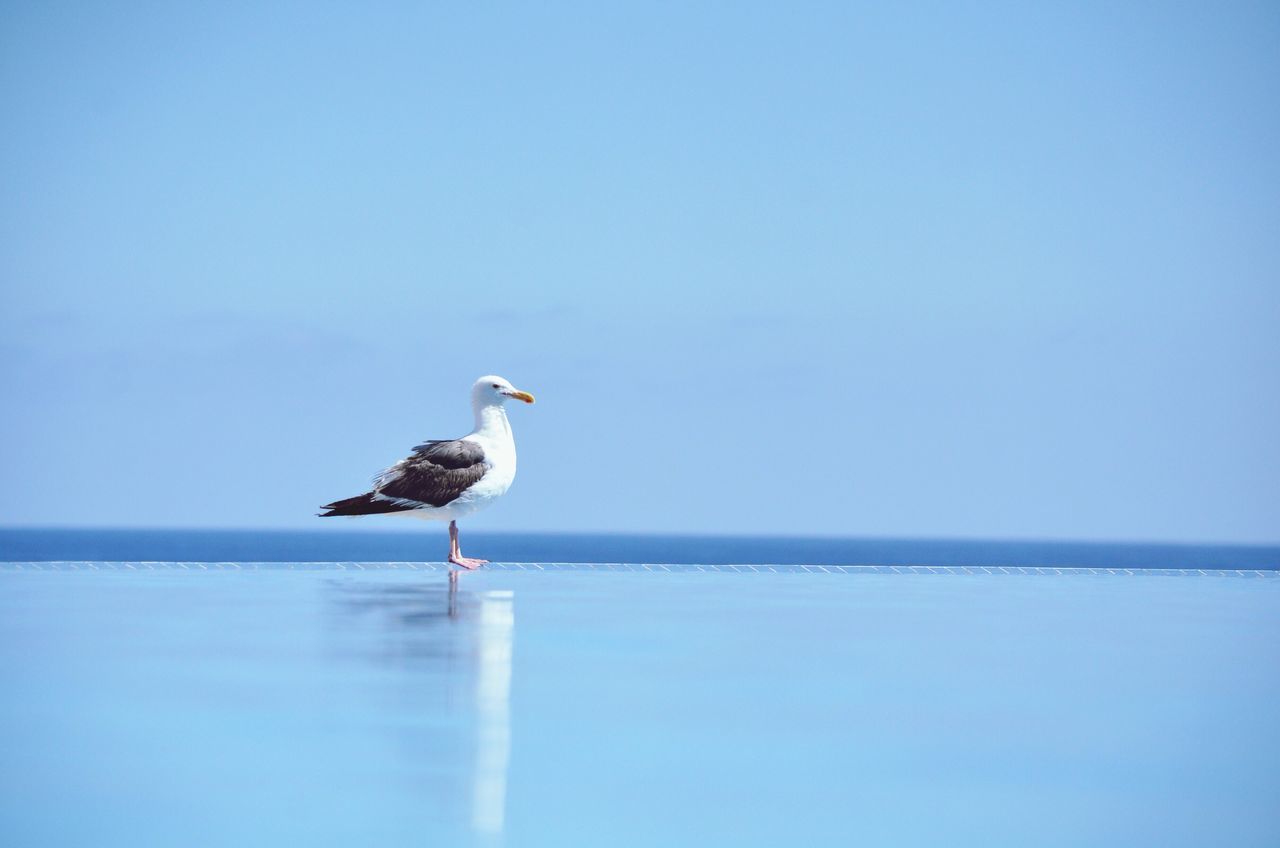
446	479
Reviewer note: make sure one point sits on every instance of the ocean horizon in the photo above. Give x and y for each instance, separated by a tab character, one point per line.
32	544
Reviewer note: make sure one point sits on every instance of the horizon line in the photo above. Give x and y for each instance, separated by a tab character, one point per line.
373	530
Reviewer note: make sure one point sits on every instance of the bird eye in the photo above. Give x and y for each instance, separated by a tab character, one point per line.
496	386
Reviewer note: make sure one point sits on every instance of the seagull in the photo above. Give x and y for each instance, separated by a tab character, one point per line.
447	479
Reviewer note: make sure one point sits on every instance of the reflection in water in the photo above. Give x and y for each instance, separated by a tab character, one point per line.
453	649
493	708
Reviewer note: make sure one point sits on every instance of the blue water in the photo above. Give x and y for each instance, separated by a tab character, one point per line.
201	704
430	543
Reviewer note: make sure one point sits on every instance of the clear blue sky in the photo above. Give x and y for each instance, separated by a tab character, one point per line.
1006	270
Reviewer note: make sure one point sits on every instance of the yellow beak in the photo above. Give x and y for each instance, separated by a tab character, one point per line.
524	396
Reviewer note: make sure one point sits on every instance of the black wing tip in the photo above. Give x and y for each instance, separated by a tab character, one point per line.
364	504
333	508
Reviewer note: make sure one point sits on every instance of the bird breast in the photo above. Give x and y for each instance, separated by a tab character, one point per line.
500	456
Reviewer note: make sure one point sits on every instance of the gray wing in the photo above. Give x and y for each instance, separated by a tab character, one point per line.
437	473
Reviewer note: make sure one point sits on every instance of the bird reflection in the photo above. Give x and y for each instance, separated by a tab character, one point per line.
455	646
493	711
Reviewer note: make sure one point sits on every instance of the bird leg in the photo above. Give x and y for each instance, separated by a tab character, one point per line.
455	550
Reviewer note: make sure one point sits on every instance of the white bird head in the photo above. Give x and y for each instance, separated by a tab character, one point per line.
491	390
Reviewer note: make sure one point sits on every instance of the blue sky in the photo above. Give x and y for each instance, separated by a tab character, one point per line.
1007	270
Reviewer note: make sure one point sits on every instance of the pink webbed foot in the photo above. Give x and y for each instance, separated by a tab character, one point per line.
467	562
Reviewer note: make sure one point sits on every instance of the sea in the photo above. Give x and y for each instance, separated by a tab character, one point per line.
339	688
284	546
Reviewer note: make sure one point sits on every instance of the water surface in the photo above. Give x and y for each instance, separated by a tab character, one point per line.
327	706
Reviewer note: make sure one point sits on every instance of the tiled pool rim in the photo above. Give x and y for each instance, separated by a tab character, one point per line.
958	570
